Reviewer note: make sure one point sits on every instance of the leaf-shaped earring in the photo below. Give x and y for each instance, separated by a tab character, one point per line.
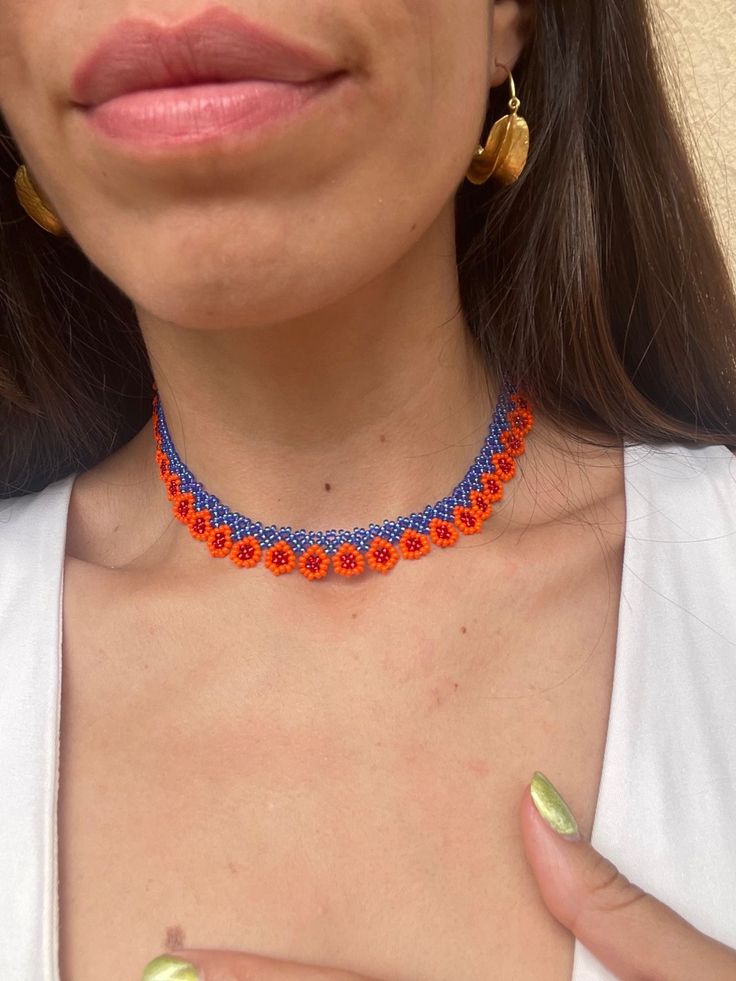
507	148
34	205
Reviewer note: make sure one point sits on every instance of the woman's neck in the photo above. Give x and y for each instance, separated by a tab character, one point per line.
368	409
364	410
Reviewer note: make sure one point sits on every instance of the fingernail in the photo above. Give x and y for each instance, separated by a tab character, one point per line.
168	968
552	807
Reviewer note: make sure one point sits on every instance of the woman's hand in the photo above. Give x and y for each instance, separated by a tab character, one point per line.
633	934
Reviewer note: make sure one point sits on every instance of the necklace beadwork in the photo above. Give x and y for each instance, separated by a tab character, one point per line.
247	543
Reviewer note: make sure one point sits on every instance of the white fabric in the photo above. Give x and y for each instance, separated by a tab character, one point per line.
666	810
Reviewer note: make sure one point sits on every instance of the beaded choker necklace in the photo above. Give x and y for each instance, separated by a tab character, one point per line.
349	553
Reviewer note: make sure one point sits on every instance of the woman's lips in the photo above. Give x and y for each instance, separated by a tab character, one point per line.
215	46
194	114
188	83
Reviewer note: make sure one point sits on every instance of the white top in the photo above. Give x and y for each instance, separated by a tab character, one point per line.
666	810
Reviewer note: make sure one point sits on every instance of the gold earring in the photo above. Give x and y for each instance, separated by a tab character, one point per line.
507	148
33	204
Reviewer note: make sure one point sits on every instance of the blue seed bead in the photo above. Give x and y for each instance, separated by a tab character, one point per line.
330	542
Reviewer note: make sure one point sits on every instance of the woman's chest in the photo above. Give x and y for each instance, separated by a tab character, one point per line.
348	804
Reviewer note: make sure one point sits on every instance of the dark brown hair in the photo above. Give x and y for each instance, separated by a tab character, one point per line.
596	281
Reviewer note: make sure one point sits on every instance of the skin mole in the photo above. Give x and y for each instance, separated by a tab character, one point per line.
174	938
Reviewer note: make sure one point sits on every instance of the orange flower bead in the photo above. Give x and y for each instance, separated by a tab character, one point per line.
520	419
163	463
413	544
314	562
348	561
184	506
280	558
513	442
200	524
481	501
219	541
173	487
492	486
505	465
246	553
468	520
381	555
443	533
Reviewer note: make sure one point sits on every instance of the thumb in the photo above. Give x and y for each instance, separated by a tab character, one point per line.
631	933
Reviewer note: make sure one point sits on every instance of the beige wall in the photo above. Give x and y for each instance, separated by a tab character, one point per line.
702	36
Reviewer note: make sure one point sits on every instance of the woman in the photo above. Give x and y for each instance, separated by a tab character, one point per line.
313	760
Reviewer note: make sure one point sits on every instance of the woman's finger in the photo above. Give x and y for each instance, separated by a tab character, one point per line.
230	965
633	934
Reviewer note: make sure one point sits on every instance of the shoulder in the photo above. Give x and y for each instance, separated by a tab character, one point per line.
42	506
690	490
680	558
682	459
32	536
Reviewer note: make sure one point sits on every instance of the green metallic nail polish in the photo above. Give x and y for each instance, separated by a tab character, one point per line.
552	807
168	968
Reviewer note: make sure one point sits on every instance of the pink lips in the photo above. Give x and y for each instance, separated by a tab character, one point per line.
212	74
